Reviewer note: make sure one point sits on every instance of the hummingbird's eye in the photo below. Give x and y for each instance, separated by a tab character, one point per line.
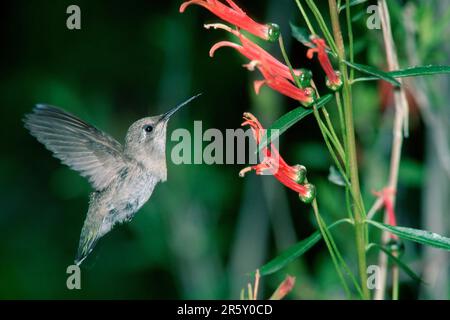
148	128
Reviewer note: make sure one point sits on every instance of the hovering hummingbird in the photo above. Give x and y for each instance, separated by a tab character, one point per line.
123	177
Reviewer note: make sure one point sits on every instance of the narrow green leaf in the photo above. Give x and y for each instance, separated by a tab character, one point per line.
351	4
374	72
288	120
421	236
411	72
420	71
301	35
399	262
290	254
294	252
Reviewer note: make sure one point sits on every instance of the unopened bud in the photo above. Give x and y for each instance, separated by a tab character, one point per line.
301	173
311	93
309	195
305	78
337	85
273	32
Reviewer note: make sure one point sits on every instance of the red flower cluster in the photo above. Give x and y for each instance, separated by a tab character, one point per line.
292	177
236	16
334	80
276	74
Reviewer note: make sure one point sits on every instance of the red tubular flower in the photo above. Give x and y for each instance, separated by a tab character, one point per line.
334	80
292	177
386	196
236	16
276	74
306	96
253	52
284	288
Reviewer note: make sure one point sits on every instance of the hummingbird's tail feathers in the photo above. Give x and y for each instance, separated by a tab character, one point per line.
87	244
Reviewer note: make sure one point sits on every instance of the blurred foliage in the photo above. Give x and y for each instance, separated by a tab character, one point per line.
204	230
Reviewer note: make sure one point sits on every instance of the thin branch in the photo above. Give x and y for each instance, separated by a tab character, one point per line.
400	116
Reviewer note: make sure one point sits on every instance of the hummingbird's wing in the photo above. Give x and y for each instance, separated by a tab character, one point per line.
84	148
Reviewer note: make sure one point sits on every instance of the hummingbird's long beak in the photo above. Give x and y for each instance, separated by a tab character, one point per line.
166	116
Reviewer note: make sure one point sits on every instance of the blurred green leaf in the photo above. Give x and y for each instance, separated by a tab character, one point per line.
335	177
301	35
399	262
374	72
421	236
288	120
411	72
351	4
420	71
294	252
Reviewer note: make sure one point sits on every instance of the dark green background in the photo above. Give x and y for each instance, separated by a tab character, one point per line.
205	229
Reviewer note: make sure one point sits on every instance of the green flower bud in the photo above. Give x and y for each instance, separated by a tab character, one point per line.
312	97
335	86
396	245
309	195
305	78
273	32
301	173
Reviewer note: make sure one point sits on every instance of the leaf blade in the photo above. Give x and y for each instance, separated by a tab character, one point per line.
301	35
374	72
351	4
294	252
412	72
288	120
421	236
420	71
400	263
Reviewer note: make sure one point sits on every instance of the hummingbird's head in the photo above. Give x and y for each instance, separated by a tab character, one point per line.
146	138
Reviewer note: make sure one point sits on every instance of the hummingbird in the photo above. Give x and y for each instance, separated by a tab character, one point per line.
123	177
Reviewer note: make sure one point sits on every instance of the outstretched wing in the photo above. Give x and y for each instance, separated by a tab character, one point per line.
84	148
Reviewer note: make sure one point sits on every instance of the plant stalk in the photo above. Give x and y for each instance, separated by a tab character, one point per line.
359	214
401	107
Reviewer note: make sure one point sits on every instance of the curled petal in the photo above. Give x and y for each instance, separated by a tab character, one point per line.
257	84
244	171
222	44
236	16
254	52
186	4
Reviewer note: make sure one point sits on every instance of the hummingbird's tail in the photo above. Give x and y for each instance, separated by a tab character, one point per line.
88	239
84	249
93	228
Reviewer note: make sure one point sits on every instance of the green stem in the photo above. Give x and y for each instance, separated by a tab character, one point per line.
342	123
330	248
335	159
330	126
360	230
330	148
323	26
308	23
395	282
341	259
350	36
